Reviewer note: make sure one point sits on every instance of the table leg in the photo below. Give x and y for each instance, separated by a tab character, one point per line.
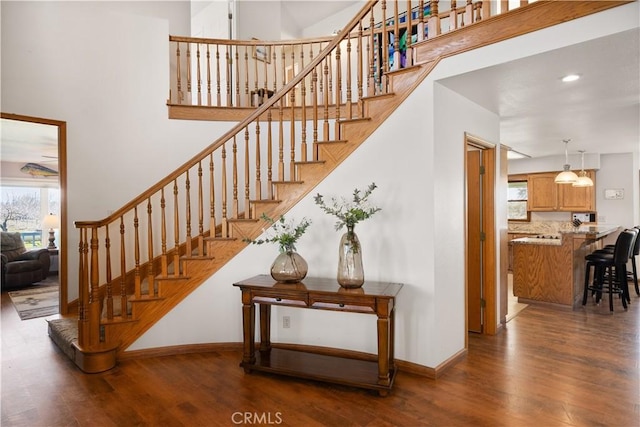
248	332
383	351
265	327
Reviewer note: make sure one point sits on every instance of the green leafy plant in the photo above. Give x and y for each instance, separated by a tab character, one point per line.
349	212
284	233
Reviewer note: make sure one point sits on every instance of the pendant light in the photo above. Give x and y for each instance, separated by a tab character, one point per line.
583	180
566	176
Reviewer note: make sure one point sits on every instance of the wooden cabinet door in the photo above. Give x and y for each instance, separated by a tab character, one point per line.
543	192
577	198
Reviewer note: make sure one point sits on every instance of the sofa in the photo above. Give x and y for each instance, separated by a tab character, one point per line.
21	267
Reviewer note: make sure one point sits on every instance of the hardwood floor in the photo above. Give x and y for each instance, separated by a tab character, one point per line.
550	367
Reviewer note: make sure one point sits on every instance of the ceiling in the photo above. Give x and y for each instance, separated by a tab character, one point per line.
600	112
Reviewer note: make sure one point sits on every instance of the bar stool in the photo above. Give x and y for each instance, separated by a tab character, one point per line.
633	274
614	264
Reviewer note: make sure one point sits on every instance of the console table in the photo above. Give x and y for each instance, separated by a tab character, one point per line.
377	298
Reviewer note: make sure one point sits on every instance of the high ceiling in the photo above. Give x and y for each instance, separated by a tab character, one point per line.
600	113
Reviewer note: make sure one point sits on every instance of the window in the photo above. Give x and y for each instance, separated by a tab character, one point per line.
23	208
517	201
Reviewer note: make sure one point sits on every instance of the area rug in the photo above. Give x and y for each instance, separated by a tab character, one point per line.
38	301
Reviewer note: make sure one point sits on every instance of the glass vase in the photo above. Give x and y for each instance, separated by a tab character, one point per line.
289	267
350	271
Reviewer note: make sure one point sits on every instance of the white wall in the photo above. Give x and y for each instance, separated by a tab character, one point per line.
103	68
110	85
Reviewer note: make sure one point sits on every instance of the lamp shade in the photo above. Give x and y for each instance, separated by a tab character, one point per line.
51	221
566	177
583	181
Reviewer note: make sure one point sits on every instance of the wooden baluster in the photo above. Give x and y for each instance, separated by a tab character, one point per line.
292	119
269	157
434	20
292	134
246	173
178	75
150	269
409	33
187	189
83	288
314	100
468	12
212	194
325	128
189	88
372	57
303	112
338	92
223	231
200	243
265	77
396	37
94	295
237	68
360	71
218	87
198	74
274	63
504	6
384	69
109	286
123	271
235	179
453	17
255	98
483	10
281	140
246	76
164	265
258	195
348	83
136	254
228	72
421	24
176	230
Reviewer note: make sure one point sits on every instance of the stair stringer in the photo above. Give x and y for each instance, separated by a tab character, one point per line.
352	133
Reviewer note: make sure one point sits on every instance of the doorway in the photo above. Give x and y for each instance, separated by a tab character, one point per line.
481	253
62	183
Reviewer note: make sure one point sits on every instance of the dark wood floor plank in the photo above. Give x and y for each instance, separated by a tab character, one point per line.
551	367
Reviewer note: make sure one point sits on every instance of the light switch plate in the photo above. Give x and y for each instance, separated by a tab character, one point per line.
614	193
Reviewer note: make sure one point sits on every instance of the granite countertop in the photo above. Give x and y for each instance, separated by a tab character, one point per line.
537	241
596	231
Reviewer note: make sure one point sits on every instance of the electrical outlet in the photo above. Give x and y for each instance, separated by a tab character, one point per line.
286	322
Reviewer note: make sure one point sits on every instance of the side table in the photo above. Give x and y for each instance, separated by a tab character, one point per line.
377	298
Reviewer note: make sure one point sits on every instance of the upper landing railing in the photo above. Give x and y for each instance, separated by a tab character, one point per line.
243	73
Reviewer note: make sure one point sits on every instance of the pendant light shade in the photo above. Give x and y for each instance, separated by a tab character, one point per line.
566	176
583	180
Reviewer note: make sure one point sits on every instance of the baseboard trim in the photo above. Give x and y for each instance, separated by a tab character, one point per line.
404	366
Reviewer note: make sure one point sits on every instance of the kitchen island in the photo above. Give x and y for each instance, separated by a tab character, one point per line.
551	269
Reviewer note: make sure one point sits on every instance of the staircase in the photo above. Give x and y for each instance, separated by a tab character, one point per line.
145	258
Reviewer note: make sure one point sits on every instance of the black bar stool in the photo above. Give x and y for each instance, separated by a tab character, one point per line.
633	274
614	264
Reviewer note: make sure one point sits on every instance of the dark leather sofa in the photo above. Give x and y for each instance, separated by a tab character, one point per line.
21	267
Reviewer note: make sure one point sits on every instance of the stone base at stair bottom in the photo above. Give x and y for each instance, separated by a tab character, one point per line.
64	333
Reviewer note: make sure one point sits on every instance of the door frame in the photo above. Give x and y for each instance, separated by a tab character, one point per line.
490	252
62	182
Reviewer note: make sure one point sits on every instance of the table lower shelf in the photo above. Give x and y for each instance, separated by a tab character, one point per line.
320	367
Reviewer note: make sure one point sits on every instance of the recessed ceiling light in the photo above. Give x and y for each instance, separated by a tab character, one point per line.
570	78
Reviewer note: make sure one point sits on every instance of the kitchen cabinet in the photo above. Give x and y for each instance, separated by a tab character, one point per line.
547	196
543	192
